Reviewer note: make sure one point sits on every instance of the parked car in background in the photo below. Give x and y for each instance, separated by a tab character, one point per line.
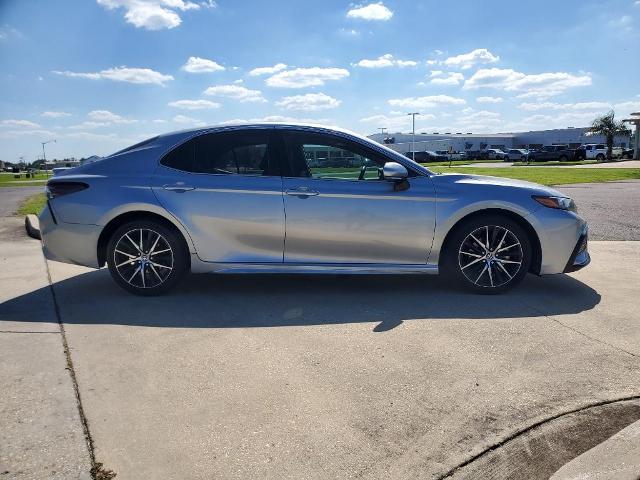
496	154
597	151
517	155
553	152
223	199
627	153
426	156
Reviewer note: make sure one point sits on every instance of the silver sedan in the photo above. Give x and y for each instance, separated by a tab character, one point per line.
276	198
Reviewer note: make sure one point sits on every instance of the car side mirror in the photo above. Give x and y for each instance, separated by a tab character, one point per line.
394	172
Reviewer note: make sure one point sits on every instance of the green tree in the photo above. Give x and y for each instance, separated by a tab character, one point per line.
607	126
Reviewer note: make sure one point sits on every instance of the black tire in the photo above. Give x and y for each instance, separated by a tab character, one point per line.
146	273
599	157
563	158
505	274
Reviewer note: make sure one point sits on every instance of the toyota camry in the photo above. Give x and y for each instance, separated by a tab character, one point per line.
276	198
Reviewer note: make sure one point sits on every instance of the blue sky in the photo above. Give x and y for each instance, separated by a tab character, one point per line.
98	75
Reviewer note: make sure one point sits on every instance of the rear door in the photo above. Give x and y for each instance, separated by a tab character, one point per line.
226	189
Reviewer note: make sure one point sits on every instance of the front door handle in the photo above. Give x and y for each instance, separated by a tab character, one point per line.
179	187
301	192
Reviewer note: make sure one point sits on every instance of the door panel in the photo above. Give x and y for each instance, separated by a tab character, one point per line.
338	208
350	221
226	190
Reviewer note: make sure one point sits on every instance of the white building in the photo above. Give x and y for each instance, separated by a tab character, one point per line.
459	141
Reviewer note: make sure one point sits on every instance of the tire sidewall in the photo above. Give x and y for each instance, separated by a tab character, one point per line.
450	265
180	257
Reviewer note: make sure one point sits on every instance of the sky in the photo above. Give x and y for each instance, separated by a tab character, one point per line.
99	75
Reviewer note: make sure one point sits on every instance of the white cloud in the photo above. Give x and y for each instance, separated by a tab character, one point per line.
536	85
489	99
92	136
306	77
426	102
193	104
482	117
19	123
384	61
623	23
159	120
55	114
468	60
122	74
439	77
267	70
373	11
395	121
184	120
275	118
564	106
236	92
153	14
106	116
309	102
201	65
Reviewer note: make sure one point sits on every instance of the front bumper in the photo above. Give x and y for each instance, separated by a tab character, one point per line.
580	257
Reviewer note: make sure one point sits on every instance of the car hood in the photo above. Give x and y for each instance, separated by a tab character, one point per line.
478	180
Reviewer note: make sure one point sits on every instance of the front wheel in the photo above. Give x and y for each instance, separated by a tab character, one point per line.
146	258
488	254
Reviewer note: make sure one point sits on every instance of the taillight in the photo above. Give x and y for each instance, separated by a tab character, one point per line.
57	189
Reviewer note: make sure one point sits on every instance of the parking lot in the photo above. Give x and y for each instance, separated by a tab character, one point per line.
313	377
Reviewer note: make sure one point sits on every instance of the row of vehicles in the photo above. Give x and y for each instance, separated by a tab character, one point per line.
562	153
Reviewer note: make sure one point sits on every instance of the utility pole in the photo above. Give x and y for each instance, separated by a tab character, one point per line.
44	155
413	134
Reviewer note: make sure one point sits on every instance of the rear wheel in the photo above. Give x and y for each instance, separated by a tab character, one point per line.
146	258
563	158
488	254
600	157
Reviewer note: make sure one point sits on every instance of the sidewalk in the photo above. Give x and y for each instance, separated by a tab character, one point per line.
41	434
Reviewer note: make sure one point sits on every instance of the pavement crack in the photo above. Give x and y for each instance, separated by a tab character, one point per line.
98	472
528	428
575	330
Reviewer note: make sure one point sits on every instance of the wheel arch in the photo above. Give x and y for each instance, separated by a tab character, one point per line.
536	261
119	220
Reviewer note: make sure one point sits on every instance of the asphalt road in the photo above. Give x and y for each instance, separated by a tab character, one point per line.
612	209
11	197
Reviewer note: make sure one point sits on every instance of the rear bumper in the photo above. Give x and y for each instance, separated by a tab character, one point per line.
68	242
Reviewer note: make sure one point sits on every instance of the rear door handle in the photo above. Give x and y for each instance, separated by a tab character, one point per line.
178	187
302	192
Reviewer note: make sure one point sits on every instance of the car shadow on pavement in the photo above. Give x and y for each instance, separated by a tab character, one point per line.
239	301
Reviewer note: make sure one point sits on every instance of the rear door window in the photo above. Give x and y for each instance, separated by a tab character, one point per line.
237	152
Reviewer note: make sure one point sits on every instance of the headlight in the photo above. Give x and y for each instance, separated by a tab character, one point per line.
561	203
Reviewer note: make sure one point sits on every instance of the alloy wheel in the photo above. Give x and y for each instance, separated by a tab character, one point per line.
143	258
490	256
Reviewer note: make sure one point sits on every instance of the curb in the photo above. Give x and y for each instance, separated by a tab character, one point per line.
32	225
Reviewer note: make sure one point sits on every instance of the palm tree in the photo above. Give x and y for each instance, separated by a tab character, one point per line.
607	126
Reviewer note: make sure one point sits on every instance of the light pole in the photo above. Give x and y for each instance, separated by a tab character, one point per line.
44	155
413	134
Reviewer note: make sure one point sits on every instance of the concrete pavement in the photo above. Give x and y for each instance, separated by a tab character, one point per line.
41	434
338	377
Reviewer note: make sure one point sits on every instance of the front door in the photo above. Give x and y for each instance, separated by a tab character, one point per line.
226	189
339	210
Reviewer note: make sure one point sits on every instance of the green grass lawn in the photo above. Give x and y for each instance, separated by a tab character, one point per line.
550	175
8	180
458	162
33	204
